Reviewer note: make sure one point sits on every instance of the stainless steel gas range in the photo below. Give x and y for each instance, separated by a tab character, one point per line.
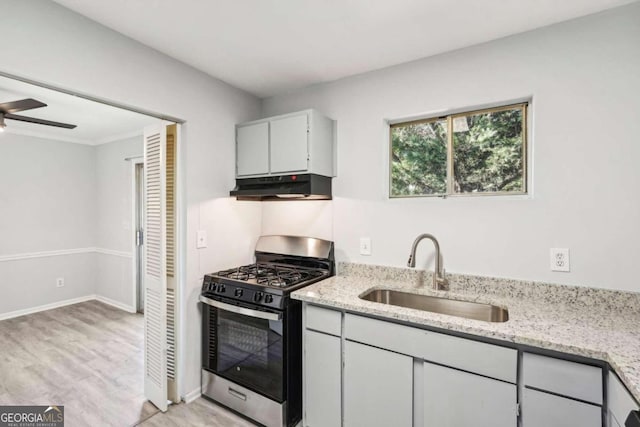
252	330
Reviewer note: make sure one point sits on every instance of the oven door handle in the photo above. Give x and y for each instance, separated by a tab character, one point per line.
241	310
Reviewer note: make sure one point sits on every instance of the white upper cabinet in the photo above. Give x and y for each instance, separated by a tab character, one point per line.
301	142
290	144
252	149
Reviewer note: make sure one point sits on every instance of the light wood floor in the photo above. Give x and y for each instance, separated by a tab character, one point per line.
199	413
87	357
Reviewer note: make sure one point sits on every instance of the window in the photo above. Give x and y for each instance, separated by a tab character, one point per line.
476	152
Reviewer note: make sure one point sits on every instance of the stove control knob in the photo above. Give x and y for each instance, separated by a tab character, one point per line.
221	288
268	299
213	287
238	292
257	296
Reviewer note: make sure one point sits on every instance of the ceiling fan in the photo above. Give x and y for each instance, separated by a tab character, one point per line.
8	109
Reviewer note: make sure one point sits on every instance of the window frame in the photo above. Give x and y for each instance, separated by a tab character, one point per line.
524	106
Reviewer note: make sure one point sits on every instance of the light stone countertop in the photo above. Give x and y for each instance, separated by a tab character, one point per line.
594	323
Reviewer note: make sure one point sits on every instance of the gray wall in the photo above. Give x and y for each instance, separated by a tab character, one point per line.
64	197
583	76
47	194
114	226
92	59
47	203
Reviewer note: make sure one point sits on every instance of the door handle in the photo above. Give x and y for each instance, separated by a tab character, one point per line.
241	310
237	394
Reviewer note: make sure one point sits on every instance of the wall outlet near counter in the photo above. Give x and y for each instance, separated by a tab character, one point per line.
59	282
559	258
365	246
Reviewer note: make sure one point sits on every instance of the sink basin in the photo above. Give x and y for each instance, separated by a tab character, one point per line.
466	309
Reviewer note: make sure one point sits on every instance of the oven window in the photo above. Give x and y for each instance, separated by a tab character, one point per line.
250	352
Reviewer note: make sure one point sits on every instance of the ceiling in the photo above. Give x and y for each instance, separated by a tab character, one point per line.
268	47
96	123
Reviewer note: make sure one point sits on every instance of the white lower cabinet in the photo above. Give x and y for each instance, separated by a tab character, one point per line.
378	387
620	401
360	371
455	398
542	409
613	422
323	380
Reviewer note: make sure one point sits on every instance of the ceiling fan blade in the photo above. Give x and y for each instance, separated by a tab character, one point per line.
38	121
21	105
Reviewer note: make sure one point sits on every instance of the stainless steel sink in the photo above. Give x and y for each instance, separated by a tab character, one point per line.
466	309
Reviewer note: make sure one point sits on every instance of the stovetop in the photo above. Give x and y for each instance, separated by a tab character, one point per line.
272	275
263	284
283	264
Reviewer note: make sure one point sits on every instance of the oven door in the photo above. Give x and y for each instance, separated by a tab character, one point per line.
245	344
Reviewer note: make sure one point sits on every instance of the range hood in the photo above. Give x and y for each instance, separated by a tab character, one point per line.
283	187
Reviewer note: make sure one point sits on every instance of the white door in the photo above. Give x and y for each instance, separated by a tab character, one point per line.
159	171
289	144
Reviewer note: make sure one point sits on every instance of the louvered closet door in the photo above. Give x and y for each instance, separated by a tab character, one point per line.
155	267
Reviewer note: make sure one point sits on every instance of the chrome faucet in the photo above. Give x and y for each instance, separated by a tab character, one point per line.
438	276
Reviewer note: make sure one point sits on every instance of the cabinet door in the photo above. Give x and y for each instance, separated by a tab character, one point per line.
620	401
541	409
252	149
613	422
322	380
289	144
378	387
454	398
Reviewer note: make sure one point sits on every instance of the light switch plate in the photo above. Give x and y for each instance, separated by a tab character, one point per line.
365	246
201	239
559	259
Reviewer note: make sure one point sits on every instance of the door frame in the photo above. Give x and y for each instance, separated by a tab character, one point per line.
135	161
181	207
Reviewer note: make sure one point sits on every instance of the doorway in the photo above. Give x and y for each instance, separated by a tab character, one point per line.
116	230
139	212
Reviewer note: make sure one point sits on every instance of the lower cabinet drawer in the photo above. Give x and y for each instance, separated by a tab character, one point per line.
541	409
583	382
323	320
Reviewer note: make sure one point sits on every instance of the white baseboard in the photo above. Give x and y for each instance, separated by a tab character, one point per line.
192	395
114	303
45	307
24	312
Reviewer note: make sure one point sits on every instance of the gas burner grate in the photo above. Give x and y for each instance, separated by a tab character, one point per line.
271	275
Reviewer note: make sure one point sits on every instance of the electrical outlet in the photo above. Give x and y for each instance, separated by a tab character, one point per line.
59	282
201	239
365	246
559	258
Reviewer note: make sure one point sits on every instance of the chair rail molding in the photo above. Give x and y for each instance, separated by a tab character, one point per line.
64	252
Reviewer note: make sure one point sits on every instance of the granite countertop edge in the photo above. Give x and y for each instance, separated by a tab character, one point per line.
576	330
